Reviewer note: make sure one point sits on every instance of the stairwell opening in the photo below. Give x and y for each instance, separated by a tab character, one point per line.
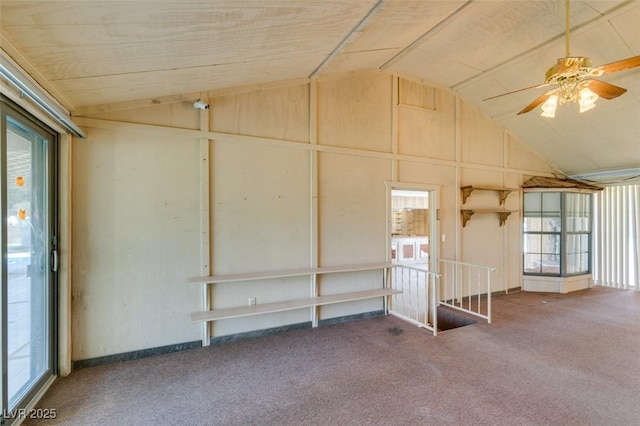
448	319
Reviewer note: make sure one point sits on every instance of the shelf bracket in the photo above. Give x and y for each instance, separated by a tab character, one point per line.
503	217
466	215
503	193
466	192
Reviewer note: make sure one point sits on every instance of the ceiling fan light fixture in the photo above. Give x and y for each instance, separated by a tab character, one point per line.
549	106
572	77
587	99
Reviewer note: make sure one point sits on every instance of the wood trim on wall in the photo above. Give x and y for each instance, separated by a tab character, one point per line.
227	137
205	245
65	185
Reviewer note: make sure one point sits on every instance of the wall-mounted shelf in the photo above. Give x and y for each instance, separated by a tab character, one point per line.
503	193
502	214
288	305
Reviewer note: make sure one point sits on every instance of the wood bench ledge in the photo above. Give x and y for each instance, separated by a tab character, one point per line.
289	305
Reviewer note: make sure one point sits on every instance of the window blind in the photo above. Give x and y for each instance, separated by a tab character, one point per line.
616	254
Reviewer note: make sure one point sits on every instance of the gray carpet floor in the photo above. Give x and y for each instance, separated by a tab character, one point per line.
547	359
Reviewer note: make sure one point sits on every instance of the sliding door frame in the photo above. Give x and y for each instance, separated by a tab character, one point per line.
19	115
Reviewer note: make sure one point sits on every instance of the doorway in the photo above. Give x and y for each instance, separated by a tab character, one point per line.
413	254
28	235
411	227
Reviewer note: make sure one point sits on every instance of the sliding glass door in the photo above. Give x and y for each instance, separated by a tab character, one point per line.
27	165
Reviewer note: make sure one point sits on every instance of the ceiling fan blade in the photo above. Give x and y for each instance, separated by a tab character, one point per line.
606	90
516	91
540	99
622	65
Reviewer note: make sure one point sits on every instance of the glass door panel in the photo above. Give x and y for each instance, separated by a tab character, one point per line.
27	254
28	243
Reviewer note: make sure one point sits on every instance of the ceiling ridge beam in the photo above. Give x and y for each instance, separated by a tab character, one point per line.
431	31
579	29
340	47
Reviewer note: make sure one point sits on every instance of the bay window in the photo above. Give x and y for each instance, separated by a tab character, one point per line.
557	233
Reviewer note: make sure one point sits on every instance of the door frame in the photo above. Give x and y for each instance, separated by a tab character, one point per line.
434	217
8	108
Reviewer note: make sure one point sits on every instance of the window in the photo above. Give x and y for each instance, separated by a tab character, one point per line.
557	233
578	232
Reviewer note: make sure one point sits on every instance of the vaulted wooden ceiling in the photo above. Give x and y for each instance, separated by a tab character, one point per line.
90	52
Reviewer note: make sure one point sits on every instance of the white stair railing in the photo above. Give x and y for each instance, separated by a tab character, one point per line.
466	287
417	303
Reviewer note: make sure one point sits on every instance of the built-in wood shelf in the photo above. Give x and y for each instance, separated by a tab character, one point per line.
502	214
289	305
286	273
503	193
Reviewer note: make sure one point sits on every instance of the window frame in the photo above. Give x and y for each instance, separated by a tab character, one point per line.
563	234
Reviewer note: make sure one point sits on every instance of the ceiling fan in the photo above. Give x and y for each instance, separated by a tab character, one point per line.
572	79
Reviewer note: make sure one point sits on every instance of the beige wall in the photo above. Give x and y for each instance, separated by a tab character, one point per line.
135	239
297	179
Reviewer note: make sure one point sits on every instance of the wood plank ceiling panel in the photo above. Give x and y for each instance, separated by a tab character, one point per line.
489	33
395	26
110	43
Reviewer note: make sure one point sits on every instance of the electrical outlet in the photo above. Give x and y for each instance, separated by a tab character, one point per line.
252	301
